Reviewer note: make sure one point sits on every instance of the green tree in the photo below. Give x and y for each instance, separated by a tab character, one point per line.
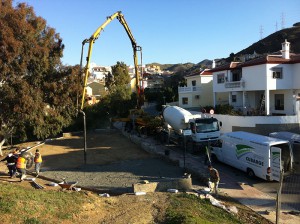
37	92
109	81
120	93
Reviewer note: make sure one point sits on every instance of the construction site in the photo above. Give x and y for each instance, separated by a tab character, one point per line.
130	169
115	172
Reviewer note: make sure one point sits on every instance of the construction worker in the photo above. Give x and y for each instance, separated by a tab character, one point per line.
38	161
214	179
11	164
21	167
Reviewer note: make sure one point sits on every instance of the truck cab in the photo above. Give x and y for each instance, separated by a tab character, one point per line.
205	129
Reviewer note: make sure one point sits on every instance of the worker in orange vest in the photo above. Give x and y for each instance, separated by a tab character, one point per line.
21	167
38	162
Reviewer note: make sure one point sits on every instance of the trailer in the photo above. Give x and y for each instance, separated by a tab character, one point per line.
294	139
257	155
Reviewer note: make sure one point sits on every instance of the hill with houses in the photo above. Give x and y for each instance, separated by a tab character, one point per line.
267	45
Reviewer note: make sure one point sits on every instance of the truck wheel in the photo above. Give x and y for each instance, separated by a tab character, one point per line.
250	173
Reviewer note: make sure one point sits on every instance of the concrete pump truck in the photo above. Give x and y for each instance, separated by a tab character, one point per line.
91	42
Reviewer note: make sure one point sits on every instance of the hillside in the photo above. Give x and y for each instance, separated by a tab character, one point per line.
184	67
269	44
272	43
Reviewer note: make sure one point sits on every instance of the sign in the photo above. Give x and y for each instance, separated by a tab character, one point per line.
187	132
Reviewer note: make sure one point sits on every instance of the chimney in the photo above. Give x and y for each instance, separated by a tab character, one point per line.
213	64
285	49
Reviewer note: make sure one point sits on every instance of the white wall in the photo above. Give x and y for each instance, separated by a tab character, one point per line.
206	78
287	79
296	73
229	121
219	87
254	77
289	102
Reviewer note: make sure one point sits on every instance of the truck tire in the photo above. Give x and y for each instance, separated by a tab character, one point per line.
250	173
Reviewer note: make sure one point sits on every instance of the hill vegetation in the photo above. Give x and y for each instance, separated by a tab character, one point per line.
272	43
269	44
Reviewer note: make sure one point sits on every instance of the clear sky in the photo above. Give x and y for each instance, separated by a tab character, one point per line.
169	31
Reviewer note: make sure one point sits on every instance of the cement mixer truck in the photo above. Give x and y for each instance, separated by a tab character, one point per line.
202	129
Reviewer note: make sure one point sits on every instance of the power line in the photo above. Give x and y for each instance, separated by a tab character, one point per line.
282	20
261	29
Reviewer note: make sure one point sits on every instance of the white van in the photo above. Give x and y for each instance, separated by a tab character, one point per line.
294	139
257	155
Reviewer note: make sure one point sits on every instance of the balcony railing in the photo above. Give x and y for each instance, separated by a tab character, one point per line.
238	84
189	89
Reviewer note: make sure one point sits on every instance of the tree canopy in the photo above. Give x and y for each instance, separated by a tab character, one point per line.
37	93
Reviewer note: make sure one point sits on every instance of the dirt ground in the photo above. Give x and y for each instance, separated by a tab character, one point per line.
113	164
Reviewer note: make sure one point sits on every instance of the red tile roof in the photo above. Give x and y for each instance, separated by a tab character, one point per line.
268	59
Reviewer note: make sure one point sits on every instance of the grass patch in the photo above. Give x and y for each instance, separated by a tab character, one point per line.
40	204
186	209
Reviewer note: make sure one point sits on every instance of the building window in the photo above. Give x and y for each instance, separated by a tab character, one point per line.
236	75
185	100
221	78
279	102
233	98
194	83
276	73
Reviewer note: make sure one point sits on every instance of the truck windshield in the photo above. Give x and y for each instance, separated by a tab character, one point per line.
207	125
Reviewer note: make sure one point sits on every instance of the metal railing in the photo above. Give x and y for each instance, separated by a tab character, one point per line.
237	84
189	89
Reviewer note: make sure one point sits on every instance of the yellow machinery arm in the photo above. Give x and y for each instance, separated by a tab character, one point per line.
95	36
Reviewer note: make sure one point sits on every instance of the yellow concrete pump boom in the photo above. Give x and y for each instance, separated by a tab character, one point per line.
95	36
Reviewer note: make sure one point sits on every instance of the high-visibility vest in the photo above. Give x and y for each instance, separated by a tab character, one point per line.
21	163
38	158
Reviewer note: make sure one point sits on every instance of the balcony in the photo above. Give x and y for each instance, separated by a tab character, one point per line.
237	84
189	89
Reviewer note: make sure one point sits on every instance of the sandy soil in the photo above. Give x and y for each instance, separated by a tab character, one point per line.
113	164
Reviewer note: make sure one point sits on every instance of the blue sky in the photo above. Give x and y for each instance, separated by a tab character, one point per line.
169	31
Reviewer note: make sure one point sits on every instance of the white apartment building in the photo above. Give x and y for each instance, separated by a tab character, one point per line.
98	73
198	92
268	85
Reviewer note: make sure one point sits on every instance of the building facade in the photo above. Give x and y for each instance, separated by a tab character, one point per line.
198	92
268	85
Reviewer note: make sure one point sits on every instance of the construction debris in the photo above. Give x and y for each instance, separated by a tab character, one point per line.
37	185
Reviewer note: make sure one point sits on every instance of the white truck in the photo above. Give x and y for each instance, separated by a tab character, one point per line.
257	155
202	128
294	139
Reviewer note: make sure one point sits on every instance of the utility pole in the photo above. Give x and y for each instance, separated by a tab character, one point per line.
84	136
261	31
278	197
282	21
